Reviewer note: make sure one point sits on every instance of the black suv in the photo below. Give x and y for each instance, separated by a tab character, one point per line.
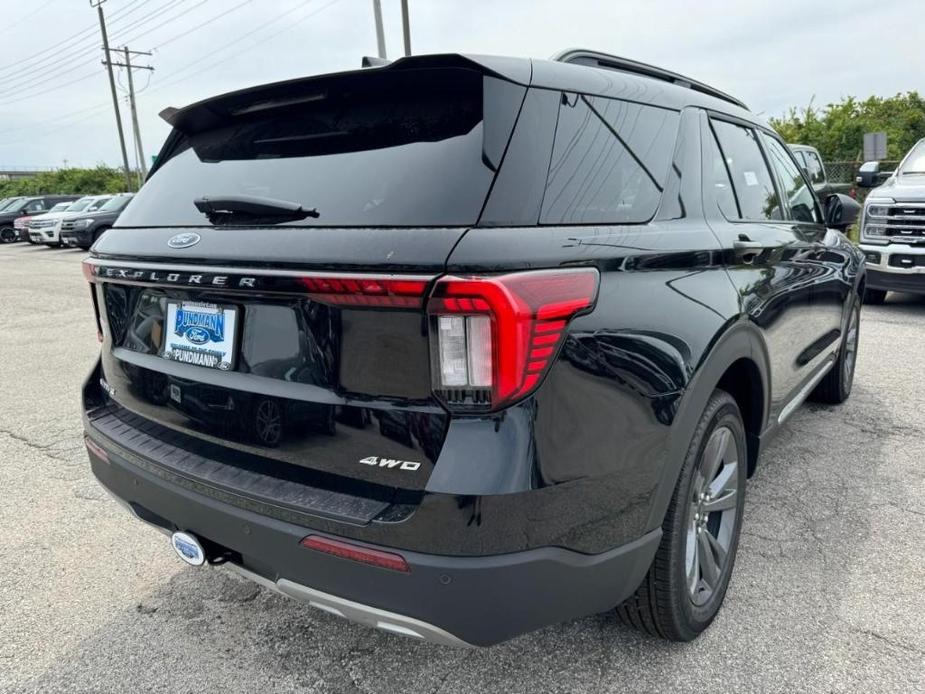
458	347
83	230
26	206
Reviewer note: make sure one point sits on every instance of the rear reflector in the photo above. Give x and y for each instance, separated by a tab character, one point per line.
364	555
366	292
494	337
96	449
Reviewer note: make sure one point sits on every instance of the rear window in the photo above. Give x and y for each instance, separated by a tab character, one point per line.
401	148
610	161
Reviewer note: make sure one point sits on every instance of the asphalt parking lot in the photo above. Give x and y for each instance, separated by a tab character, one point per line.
828	593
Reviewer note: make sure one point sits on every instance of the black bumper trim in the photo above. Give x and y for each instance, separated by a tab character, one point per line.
913	282
479	600
239	485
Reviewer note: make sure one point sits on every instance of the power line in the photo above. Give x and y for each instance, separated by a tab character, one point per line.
58	46
34	85
27	77
16	23
234	42
91	111
221	15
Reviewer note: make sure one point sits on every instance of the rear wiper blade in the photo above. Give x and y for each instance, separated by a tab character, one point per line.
251	209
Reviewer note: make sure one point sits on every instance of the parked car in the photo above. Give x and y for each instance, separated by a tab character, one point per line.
47	230
85	228
893	226
21	225
811	161
576	319
26	206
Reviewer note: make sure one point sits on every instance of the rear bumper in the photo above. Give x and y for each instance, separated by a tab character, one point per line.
451	600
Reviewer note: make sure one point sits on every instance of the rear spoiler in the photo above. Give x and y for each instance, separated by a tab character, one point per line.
205	114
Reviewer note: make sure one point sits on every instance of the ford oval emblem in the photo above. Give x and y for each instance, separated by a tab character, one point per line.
184	240
188	548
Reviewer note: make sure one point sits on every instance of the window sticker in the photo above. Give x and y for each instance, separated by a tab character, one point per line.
751	179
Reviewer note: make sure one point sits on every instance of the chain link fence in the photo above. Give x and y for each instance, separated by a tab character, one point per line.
847	171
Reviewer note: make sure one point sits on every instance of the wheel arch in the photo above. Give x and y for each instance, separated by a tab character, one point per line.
737	363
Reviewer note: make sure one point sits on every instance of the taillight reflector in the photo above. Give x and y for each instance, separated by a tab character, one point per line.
96	449
365	555
367	292
88	270
494	336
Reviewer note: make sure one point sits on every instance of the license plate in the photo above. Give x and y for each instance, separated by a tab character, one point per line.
201	334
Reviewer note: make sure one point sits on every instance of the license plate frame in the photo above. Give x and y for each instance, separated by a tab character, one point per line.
200	333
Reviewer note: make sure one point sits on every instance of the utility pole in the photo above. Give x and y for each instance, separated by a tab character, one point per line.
380	33
405	27
98	4
131	95
132	104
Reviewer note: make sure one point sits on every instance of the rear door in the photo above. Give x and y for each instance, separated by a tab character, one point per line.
772	259
303	341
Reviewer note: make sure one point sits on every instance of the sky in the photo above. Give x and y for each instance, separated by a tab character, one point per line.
56	109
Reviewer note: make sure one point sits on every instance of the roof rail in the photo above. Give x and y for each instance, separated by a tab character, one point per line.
582	56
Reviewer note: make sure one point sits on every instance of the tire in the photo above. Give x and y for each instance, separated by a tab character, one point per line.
835	386
96	235
8	235
267	422
676	600
874	297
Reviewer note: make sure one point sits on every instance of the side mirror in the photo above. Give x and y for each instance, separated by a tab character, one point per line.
869	174
841	211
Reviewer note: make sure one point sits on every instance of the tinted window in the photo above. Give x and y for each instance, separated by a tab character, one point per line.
35	206
720	182
116	203
751	179
814	167
80	205
915	160
610	161
97	204
373	149
798	196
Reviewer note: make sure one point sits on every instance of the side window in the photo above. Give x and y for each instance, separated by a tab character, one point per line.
35	206
609	163
720	182
754	186
814	166
798	196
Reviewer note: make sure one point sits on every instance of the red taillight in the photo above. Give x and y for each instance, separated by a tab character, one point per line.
89	271
96	449
493	337
366	292
366	555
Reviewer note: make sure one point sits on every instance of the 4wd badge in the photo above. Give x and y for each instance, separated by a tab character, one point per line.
376	461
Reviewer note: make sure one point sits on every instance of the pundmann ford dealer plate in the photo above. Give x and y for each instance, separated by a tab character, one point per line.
200	333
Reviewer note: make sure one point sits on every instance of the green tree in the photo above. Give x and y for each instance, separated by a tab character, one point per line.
837	130
102	179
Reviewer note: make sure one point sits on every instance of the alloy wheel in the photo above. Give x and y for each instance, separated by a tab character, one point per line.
851	347
712	515
269	422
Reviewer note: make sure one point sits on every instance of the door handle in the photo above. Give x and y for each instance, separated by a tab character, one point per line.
743	243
